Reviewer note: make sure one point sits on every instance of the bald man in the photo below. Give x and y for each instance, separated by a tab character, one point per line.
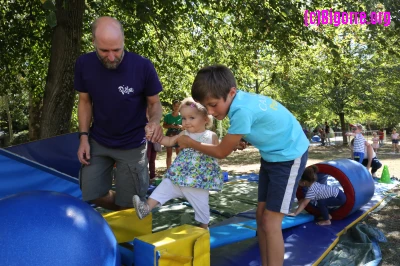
115	89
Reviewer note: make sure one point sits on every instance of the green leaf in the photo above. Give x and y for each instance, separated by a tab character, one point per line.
49	5
51	19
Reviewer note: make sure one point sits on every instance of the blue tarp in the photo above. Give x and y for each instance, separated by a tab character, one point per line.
49	164
57	152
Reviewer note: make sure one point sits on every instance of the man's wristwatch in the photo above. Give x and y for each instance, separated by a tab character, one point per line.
83	133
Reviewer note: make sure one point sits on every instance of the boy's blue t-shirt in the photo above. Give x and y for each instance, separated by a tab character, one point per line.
268	126
118	97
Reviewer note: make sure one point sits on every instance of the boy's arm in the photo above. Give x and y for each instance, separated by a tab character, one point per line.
219	151
215	139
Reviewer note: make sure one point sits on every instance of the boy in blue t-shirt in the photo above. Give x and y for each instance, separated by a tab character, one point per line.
271	128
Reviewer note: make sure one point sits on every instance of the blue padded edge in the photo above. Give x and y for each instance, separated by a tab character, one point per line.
287	222
127	257
227	234
143	253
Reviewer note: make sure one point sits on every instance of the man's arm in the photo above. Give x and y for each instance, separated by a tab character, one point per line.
154	110
84	119
220	151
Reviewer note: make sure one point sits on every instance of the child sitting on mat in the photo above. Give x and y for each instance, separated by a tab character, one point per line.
325	196
192	174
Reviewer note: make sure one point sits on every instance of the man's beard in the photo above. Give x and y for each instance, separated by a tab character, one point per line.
108	64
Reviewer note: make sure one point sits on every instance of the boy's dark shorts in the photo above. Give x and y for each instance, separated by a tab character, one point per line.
278	183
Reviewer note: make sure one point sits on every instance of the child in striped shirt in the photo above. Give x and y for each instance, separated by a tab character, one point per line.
359	143
325	196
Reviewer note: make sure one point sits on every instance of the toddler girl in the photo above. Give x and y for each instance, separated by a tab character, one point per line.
192	174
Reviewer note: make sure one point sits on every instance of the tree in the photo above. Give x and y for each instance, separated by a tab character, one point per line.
66	43
264	42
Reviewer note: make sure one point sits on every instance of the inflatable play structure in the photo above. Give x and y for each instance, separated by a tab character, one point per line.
356	181
51	228
316	138
61	222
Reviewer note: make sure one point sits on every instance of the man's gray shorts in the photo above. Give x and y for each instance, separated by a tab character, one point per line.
131	175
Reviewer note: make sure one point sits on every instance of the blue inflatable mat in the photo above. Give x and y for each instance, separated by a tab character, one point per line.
287	222
228	234
251	177
232	233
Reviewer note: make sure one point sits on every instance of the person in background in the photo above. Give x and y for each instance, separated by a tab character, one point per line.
306	132
371	162
359	142
322	135
381	136
173	124
375	142
327	133
395	140
112	106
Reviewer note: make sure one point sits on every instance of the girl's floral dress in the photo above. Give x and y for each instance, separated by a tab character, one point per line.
195	169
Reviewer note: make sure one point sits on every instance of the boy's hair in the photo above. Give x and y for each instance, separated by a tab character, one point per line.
213	81
310	174
200	108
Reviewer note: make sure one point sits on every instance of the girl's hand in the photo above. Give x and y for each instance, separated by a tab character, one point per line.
291	214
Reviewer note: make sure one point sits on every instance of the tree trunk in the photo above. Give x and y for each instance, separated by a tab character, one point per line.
35	107
59	92
6	100
344	127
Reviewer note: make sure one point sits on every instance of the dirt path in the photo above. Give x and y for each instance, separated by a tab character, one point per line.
248	160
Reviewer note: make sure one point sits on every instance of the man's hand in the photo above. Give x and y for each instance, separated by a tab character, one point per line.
148	131
84	151
183	142
154	132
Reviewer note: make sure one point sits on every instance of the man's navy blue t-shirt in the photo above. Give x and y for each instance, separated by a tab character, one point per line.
118	97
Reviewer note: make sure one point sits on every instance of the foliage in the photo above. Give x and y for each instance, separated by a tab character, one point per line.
318	73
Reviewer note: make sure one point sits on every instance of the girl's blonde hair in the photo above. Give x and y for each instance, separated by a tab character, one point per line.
189	102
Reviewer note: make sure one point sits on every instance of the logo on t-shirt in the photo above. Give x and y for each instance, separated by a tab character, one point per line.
125	89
